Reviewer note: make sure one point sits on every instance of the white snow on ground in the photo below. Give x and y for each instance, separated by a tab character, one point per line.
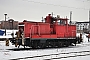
9	54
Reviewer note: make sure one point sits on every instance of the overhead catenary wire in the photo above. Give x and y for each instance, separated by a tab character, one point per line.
55	5
86	1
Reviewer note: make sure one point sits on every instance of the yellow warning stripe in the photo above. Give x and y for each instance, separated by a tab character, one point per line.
7	42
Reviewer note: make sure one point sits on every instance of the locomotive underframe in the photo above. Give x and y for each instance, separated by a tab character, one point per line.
45	43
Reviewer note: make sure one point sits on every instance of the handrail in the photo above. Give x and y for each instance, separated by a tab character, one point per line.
32	29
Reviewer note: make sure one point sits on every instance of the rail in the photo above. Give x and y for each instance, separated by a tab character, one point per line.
58	55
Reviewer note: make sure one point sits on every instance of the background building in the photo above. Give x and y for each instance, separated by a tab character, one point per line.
82	26
10	24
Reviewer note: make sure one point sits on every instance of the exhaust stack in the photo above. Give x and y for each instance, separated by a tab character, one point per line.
70	17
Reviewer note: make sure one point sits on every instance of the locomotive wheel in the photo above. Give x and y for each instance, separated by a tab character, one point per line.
53	44
34	47
60	44
34	44
42	45
66	44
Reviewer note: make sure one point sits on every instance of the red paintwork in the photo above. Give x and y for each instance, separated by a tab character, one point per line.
49	29
44	28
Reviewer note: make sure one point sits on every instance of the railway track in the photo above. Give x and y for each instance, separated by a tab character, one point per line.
56	56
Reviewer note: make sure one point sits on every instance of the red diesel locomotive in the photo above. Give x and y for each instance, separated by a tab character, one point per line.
54	32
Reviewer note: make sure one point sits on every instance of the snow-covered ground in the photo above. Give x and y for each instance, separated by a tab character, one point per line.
6	54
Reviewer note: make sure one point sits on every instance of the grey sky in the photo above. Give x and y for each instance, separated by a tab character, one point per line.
35	9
